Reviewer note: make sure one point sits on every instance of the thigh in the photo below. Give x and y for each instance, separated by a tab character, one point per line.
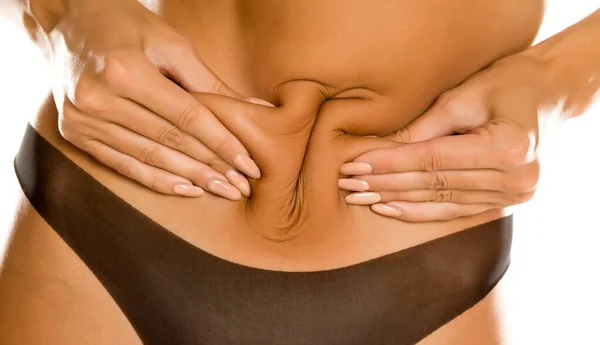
49	296
480	325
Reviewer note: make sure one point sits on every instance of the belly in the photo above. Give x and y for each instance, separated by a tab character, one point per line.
337	71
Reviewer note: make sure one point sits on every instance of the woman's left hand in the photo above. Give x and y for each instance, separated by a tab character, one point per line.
473	150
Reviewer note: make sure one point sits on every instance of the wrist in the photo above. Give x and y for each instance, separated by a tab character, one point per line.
47	13
50	13
533	75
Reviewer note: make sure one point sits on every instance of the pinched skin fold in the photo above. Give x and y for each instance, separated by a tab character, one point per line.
299	146
334	82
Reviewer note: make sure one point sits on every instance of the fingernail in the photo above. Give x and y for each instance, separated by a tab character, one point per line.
365	198
188	190
353	184
246	165
386	210
224	189
239	181
356	168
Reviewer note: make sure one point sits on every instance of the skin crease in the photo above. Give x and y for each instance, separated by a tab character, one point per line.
330	82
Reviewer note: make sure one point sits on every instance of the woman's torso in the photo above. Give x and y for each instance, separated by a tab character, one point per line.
350	66
333	67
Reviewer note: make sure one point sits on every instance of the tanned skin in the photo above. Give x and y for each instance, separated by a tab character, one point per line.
336	72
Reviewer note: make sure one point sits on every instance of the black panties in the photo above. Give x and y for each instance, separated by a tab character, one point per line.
176	294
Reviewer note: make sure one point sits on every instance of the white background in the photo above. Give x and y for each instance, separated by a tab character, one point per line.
553	285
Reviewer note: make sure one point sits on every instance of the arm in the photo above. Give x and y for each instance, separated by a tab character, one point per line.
36	17
121	87
572	60
498	112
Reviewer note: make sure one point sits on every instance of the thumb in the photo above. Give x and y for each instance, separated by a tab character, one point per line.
189	71
448	115
180	62
251	121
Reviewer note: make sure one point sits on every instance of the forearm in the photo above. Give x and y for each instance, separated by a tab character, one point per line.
572	60
36	17
46	13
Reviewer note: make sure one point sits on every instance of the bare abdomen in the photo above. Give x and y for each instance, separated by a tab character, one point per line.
336	71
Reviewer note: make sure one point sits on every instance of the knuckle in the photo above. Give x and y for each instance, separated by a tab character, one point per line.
88	96
510	183
445	99
441	195
449	213
391	165
216	163
181	45
514	154
219	86
171	137
454	103
402	135
466	109
65	130
149	155
197	173
523	184
69	127
520	184
155	183
523	181
221	144
513	146
71	136
116	71
431	161
187	118
438	180
86	145
124	167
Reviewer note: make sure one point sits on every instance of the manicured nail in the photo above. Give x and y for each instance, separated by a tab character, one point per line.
386	210
353	184
365	198
246	165
356	168
224	189
188	190
239	181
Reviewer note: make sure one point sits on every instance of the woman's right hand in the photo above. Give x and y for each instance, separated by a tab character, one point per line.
122	78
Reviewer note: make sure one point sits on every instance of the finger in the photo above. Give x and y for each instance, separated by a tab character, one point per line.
460	152
151	177
180	61
453	112
130	115
265	130
483	179
140	81
259	101
153	154
457	196
248	121
428	211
